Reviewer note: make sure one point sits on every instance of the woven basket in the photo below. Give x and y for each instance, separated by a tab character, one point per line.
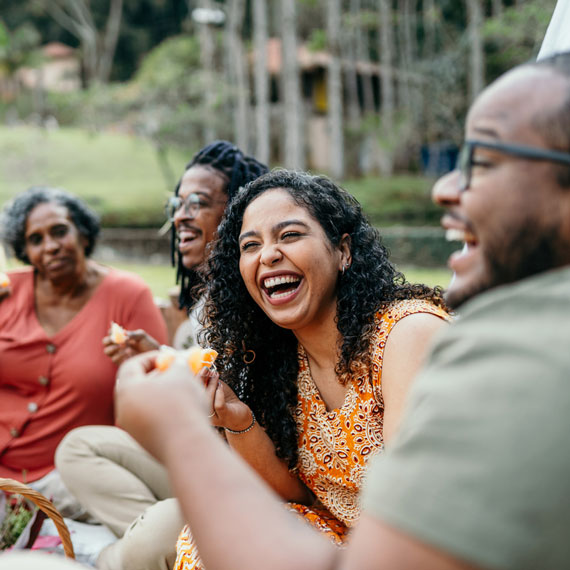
12	486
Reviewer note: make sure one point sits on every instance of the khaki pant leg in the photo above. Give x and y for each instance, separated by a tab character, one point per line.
111	475
149	543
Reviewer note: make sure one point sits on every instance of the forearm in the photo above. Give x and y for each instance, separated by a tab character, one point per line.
225	503
258	450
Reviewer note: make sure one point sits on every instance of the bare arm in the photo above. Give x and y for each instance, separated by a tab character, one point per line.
169	416
404	355
377	546
254	446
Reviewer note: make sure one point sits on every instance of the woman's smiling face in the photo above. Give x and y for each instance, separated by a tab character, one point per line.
288	264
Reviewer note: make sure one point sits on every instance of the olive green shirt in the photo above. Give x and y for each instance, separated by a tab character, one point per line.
481	466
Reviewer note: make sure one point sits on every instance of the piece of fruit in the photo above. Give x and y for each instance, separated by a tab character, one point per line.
198	357
165	358
118	334
4	280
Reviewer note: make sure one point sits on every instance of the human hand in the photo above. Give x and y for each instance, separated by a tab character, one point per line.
137	342
227	410
153	405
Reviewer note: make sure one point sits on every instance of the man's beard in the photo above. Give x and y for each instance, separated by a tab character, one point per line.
514	258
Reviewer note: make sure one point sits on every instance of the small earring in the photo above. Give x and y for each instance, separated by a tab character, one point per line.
249	355
344	267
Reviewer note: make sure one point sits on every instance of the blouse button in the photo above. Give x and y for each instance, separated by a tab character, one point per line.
32	407
43	380
14	432
51	348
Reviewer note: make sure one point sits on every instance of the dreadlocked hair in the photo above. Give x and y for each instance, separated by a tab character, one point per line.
237	169
237	325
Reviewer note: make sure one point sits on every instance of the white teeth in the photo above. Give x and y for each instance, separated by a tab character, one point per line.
279	295
274	281
453	234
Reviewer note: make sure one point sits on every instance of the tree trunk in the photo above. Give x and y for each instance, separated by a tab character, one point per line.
207	49
363	55
350	52
238	74
334	91
476	68
386	49
497	8
428	15
109	44
292	116
261	75
405	51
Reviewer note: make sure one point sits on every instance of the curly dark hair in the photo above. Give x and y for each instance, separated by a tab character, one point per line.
15	215
237	169
236	324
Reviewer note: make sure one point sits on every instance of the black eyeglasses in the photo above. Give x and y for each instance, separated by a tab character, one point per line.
192	205
465	161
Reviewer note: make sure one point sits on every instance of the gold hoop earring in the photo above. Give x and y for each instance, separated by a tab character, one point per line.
249	355
249	359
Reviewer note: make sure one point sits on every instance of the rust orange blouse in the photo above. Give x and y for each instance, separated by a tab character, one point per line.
49	385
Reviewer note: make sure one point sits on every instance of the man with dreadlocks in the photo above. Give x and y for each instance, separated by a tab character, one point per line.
107	471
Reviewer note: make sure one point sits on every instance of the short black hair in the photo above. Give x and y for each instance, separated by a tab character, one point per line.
237	169
15	215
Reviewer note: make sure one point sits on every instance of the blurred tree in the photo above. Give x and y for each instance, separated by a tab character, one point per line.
294	155
334	89
237	72
18	48
98	44
477	55
261	77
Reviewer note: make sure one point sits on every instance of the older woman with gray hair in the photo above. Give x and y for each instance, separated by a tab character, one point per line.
54	375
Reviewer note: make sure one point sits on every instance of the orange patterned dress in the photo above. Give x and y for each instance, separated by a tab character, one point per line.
335	446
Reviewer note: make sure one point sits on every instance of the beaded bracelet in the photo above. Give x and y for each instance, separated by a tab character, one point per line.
237	432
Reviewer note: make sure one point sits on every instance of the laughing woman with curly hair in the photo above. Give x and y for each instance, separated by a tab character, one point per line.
318	337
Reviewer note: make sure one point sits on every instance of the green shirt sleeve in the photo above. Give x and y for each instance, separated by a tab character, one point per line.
481	466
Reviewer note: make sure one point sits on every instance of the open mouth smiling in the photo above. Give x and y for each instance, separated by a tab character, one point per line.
281	286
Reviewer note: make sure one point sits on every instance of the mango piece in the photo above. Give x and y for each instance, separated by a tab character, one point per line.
198	357
118	334
4	280
165	358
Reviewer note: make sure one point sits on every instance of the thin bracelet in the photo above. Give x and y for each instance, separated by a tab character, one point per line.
237	432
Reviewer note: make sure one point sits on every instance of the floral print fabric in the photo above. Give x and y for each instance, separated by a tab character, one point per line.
335	446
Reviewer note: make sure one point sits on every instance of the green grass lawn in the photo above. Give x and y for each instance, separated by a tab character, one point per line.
120	176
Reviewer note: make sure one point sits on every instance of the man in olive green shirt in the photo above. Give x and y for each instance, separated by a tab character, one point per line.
479	474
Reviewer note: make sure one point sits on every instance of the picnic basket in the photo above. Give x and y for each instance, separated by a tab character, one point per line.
13	486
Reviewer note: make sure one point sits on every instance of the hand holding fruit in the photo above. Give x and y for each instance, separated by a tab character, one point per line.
121	344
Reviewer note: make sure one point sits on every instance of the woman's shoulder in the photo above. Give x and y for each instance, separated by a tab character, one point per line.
401	308
20	274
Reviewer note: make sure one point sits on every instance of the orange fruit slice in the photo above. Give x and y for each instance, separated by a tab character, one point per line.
118	334
4	280
165	358
198	357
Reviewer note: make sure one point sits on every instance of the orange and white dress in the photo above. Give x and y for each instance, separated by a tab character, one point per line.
335	446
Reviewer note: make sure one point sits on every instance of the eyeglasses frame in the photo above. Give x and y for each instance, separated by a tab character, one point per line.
465	165
191	205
